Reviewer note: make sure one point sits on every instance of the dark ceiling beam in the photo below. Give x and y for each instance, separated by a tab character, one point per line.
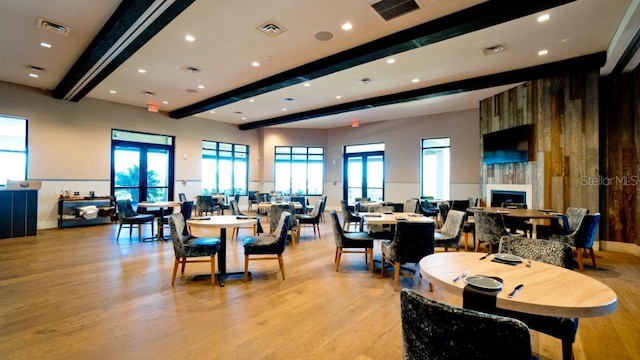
628	54
475	18
593	61
130	27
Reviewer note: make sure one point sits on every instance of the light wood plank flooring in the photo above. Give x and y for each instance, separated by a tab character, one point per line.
76	294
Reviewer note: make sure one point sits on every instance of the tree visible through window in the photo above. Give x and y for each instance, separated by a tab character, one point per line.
436	164
13	149
299	170
224	168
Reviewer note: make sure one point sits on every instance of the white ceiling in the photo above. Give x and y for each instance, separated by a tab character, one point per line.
227	42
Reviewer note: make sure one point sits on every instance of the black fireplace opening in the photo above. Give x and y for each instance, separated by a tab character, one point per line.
498	197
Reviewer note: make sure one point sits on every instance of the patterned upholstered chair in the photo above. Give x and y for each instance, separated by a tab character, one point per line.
410	206
433	330
186	247
489	228
349	241
312	219
381	232
450	233
204	205
565	224
265	247
550	252
348	217
235	210
274	220
303	201
428	209
583	238
252	198
129	217
412	241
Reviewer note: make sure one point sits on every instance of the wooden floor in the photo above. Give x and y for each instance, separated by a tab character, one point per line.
77	294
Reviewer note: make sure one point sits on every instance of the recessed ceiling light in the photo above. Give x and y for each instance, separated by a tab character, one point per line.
284	109
347	26
543	52
338	97
244	118
190	38
391	61
33	75
200	86
252	100
112	91
142	71
415	80
165	102
255	64
46	45
543	17
212	112
307	84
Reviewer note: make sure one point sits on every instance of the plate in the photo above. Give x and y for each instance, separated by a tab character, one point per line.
483	282
507	257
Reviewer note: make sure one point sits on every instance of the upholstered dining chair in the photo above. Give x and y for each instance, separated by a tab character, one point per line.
428	209
450	233
434	330
129	217
252	198
410	206
324	206
186	209
412	241
204	205
582	238
564	225
550	252
312	219
489	228
348	217
235	210
274	221
514	225
187	247
349	241
182	197
267	246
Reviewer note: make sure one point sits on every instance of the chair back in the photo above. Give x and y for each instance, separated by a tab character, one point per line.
125	209
412	241
587	232
204	203
282	229
573	219
547	251
179	233
489	226
362	199
346	214
235	209
444	211
410	206
433	330
302	200
275	213
338	232
252	196
317	207
182	197
324	203
460	205
186	208
452	227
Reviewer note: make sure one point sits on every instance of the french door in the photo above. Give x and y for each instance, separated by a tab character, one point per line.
364	176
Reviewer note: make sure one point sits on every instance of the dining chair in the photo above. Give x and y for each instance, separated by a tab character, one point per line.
274	221
182	197
252	198
582	238
186	209
565	224
381	231
312	219
348	241
489	228
550	252
513	224
412	241
434	330
348	217
129	217
324	206
187	247
204	205
450	233
267	246
235	210
410	206
303	201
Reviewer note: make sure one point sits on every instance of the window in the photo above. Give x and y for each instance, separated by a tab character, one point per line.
299	170
13	149
436	164
225	168
141	166
364	172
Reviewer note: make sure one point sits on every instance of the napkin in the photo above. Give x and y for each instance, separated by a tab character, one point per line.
480	299
512	263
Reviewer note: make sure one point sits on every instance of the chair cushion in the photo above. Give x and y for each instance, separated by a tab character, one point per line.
208	241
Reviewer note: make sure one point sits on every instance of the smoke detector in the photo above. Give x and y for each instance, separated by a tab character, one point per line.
53	27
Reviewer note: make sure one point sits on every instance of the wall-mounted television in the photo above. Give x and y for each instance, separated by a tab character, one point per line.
507	146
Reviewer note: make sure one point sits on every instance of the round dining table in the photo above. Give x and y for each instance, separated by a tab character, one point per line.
161	206
222	222
547	289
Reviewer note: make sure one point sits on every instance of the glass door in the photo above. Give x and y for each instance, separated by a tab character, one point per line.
364	173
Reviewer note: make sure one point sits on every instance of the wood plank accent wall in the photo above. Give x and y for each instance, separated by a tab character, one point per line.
565	155
620	135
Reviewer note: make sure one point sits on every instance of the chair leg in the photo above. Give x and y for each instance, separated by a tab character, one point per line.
370	253
246	268
118	236
593	257
175	270
338	255
213	269
580	260
281	263
382	266
396	275
184	263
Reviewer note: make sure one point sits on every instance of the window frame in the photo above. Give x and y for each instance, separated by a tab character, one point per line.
24	151
315	152
235	151
424	147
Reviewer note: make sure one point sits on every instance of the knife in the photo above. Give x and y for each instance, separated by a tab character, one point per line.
515	291
485	256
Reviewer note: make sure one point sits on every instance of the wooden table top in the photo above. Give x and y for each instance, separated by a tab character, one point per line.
220	221
158	204
548	289
519	213
266	204
391	219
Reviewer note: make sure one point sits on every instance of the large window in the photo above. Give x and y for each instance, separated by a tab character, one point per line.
141	166
299	170
364	172
436	165
224	168
13	149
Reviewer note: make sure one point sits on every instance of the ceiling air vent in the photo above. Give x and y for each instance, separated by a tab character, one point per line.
271	29
494	49
35	68
365	81
145	92
391	9
53	27
192	69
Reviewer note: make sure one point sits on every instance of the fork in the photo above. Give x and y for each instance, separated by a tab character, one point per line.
461	276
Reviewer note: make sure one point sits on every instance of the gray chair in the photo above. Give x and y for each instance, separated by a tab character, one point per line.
554	253
450	233
182	197
324	206
564	225
187	247
489	228
312	219
274	220
302	200
204	205
129	217
411	206
348	217
411	242
513	224
349	241
186	209
433	330
252	199
268	247
582	238
235	210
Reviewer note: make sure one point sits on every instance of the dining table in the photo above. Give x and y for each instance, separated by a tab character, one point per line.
264	206
222	222
161	206
391	218
546	289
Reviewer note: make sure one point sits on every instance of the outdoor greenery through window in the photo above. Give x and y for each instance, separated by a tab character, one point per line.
225	168
13	149
299	170
436	165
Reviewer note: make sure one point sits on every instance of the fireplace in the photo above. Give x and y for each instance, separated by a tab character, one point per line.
515	190
498	197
